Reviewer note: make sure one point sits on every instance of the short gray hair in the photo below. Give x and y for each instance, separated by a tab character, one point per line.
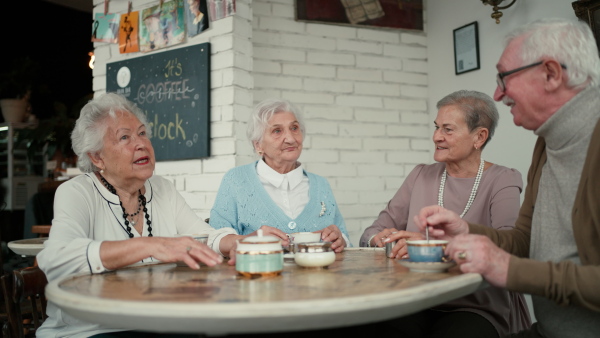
88	135
569	42
259	120
479	109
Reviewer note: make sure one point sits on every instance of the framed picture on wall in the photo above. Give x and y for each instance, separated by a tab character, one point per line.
404	14
589	11
466	48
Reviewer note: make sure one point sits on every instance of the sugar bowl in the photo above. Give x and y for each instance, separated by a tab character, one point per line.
314	254
259	256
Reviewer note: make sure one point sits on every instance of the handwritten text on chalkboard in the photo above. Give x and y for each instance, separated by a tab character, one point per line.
173	88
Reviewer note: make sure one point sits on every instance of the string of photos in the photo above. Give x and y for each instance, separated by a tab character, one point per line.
160	26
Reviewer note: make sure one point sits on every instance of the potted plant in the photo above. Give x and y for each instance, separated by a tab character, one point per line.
52	137
15	89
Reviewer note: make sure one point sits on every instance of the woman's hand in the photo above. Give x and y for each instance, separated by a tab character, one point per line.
400	250
378	240
185	249
270	231
333	234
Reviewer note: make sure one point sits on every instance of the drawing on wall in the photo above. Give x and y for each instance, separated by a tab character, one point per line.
196	15
162	26
105	28
128	33
220	9
405	14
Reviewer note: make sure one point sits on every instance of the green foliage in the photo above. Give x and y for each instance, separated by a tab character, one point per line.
54	133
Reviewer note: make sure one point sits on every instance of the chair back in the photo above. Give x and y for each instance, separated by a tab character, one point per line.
25	300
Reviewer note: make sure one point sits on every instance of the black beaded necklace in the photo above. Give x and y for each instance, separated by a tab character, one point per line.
141	206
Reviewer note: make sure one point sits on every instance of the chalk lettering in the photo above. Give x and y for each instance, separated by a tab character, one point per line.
168	130
173	68
163	91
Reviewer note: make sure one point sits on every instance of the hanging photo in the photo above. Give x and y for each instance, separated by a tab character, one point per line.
105	28
162	26
220	9
128	33
196	16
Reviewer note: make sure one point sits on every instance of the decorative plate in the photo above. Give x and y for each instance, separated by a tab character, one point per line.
426	266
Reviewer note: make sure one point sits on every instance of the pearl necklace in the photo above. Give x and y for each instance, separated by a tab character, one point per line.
473	191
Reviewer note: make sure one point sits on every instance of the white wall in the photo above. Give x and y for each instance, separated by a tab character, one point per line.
364	94
511	146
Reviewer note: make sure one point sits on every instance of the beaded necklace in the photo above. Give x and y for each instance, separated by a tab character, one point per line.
473	191
129	217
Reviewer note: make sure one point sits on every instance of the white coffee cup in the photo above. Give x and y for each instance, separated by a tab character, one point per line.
305	237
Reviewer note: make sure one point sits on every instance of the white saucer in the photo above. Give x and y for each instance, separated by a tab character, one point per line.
426	266
288	257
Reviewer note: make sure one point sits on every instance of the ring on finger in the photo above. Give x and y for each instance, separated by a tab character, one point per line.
188	248
462	255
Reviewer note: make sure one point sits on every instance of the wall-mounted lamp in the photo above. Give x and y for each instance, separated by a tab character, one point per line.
92	59
497	14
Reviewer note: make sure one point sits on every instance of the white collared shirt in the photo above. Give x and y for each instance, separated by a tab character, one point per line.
289	191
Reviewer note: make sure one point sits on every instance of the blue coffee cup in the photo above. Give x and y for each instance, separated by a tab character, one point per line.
427	251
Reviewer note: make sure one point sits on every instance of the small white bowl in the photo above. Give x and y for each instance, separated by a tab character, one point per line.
314	254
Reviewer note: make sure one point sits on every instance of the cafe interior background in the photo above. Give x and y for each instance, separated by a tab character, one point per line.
368	92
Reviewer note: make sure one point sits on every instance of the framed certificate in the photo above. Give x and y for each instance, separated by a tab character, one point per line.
466	48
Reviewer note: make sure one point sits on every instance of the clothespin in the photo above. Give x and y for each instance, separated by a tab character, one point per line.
129	8
106	7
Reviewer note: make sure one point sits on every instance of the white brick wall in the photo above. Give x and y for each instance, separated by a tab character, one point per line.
363	91
364	95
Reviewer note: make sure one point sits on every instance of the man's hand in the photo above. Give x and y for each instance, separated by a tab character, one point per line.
477	253
442	223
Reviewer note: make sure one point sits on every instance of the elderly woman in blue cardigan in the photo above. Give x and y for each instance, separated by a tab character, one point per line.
275	193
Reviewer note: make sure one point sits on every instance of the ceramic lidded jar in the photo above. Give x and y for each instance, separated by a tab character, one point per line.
314	254
259	256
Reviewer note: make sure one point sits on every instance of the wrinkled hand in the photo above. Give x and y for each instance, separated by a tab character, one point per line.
400	250
185	249
232	255
270	231
333	234
477	253
442	223
378	240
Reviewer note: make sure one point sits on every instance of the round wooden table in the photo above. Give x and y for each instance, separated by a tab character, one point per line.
361	286
27	247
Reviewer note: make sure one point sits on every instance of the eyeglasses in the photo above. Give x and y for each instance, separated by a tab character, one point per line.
500	76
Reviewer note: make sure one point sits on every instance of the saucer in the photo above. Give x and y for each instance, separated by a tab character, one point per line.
426	266
288	257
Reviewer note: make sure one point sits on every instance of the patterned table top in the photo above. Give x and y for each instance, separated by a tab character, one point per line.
361	286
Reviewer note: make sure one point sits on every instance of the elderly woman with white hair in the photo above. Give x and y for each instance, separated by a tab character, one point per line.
118	213
275	193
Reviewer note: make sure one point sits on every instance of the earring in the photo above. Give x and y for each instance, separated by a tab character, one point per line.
101	171
475	147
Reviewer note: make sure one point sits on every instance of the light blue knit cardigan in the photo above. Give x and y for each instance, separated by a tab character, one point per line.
243	204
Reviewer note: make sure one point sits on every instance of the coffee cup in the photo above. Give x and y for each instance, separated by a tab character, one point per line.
305	237
427	251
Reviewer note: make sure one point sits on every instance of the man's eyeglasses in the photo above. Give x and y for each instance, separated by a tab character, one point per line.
500	76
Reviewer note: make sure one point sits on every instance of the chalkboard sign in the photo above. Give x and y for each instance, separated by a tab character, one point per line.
173	88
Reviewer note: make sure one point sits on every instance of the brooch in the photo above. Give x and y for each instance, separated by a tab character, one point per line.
323	209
